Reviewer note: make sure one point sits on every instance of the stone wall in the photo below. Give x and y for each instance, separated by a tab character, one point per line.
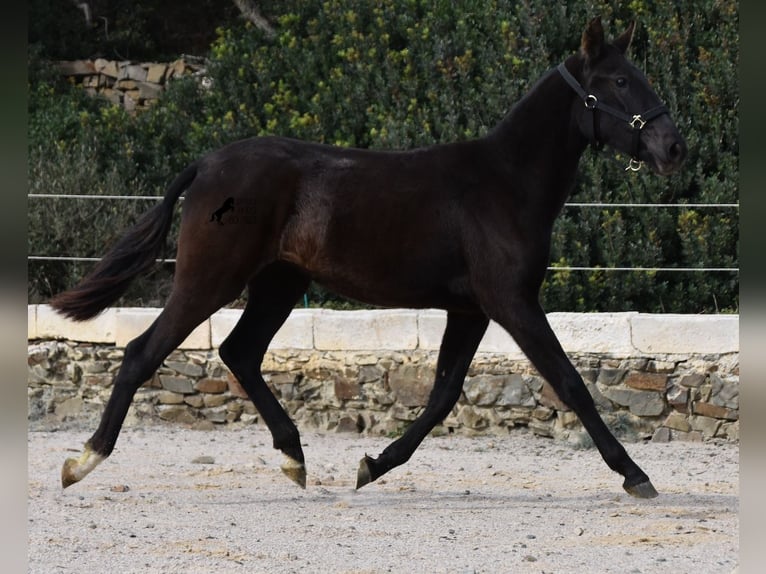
663	376
128	84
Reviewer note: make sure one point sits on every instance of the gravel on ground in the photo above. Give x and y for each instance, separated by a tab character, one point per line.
176	500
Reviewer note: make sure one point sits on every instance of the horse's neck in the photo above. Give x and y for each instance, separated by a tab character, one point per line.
539	138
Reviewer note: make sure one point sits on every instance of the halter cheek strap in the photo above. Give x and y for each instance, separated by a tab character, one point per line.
593	105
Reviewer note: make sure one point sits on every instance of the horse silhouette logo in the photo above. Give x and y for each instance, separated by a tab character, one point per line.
228	205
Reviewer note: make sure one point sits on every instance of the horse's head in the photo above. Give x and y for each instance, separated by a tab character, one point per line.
620	108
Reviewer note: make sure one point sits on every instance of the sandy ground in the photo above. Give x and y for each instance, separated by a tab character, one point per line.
513	504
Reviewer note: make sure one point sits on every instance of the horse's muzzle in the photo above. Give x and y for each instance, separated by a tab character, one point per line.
665	148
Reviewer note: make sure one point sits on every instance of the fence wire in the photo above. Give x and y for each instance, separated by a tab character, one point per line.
551	268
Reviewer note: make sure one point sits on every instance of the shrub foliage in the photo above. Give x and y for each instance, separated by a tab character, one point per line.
406	73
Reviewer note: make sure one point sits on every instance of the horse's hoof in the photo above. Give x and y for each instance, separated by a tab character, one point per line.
74	470
364	474
295	471
68	473
641	490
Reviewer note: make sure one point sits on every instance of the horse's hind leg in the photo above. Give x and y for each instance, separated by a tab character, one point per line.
271	296
143	356
461	339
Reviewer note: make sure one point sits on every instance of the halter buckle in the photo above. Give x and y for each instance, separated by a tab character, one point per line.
634	164
591	102
637	123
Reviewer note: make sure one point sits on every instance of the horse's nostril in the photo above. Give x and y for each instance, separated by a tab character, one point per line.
677	151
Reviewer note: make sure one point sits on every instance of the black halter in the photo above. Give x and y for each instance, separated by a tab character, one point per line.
636	122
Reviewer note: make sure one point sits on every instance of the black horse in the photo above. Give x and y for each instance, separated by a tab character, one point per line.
464	227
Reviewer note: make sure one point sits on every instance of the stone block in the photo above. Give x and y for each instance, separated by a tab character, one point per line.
602	403
130	322
132	72
641	403
213	386
51	325
662	434
235	388
677	421
471	418
221	324
156	73
214	401
346	390
567	419
170	398
483	390
31	322
684	334
69	408
692	380
714	411
594	332
515	393
497	340
411	385
126	85
431	324
176	414
185	368
678	397
706	425
148	91
724	393
378	330
647	381
655	366
549	398
370	374
542	413
195	401
691	436
729	430
610	377
106	68
180	385
177	68
296	333
103	381
77	68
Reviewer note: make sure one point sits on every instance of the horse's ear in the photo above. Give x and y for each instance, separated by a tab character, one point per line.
623	42
593	39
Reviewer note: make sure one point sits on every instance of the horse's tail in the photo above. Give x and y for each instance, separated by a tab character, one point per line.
134	253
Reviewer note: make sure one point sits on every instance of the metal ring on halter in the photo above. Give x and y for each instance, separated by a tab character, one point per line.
637	119
591	101
634	164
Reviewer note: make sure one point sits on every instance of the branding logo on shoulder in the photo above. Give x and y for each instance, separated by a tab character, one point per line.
234	211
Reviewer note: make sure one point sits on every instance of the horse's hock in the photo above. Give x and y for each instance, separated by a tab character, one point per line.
670	377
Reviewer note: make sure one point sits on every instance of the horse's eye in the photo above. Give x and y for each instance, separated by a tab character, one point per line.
621	82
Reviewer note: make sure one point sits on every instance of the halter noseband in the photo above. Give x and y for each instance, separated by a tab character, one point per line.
636	122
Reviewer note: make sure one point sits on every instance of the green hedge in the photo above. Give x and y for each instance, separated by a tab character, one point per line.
405	73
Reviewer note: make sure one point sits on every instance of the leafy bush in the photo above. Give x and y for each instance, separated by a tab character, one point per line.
405	73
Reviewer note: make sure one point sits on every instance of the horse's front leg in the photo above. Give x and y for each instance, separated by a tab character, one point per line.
461	339
525	320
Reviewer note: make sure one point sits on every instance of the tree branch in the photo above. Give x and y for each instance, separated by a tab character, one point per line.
250	11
